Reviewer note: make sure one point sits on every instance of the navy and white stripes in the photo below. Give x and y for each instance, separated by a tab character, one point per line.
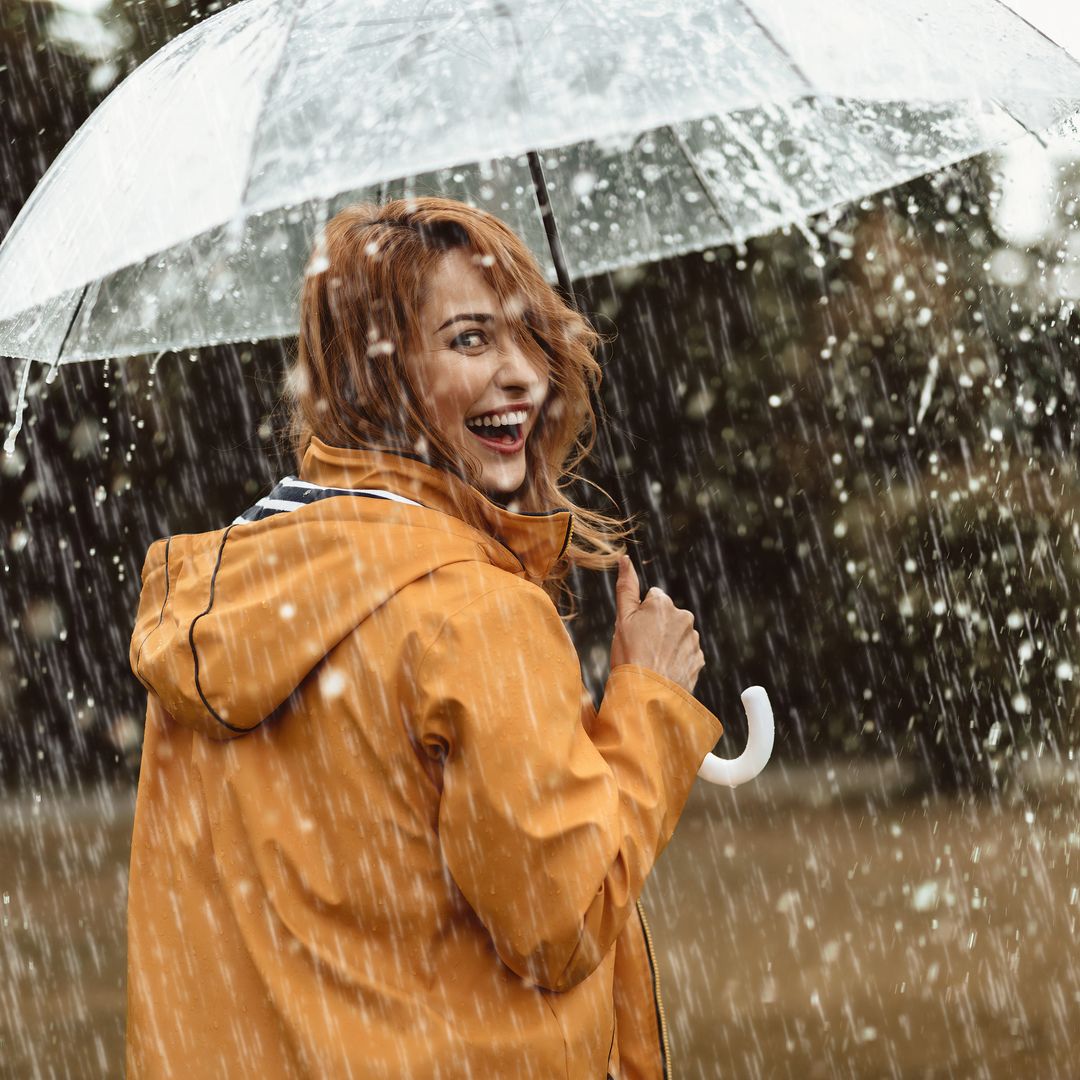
293	493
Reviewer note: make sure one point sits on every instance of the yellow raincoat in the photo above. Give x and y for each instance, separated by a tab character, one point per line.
381	831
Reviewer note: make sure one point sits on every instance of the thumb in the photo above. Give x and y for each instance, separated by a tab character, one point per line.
627	589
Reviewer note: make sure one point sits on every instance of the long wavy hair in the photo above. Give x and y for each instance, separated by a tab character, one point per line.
360	305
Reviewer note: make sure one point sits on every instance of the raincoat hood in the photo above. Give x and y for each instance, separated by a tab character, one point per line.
231	622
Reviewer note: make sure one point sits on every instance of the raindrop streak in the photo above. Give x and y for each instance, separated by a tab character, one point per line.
20	408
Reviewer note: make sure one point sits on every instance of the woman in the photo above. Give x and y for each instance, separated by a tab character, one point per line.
381	831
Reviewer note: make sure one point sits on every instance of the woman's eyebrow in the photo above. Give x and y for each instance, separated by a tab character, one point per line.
472	317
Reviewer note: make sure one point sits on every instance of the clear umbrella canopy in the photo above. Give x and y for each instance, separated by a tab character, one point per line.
184	210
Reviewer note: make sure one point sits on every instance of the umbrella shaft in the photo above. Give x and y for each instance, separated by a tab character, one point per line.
551	227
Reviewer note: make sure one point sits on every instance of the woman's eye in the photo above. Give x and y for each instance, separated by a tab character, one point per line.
469	340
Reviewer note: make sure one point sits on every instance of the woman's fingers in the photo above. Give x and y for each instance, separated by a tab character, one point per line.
660	636
627	589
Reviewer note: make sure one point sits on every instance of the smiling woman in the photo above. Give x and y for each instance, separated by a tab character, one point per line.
381	828
430	316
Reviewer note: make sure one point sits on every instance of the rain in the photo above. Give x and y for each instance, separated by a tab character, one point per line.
840	342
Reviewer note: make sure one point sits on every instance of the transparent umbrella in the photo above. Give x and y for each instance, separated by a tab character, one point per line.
183	211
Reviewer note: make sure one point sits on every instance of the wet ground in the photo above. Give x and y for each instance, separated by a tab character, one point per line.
811	925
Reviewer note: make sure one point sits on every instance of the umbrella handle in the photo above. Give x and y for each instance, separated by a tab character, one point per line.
759	744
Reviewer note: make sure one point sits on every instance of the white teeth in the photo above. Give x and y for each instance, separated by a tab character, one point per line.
499	421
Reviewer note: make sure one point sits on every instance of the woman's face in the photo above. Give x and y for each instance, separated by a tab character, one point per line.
483	391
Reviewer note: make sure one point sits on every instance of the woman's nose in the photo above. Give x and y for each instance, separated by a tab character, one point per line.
517	369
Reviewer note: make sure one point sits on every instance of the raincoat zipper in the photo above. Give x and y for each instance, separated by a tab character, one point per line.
661	1018
569	537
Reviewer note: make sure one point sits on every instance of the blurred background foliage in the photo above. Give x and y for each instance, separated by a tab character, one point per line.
854	459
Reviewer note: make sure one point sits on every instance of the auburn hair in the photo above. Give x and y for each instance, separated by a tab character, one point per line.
360	304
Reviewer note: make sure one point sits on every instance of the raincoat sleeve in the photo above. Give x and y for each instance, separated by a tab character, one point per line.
550	831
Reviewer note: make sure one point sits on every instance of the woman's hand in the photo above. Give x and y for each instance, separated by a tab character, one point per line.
653	633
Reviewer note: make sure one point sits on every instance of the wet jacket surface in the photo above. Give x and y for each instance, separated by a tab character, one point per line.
381	830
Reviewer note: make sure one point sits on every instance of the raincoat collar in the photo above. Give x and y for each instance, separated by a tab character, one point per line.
536	540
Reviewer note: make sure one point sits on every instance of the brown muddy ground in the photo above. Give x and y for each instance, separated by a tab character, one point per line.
816	928
811	925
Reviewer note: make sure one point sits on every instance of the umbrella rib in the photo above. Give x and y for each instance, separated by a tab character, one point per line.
551	21
451	22
409	38
461	51
1046	37
811	88
76	309
297	4
547	26
681	143
1016	119
409	20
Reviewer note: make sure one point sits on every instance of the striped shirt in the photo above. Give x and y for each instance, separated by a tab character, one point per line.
292	493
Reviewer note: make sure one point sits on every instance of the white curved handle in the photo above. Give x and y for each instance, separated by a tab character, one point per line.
759	744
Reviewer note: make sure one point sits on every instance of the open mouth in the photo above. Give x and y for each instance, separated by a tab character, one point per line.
503	432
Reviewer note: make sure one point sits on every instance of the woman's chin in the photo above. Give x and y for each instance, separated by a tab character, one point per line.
503	478
502	474
501	482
